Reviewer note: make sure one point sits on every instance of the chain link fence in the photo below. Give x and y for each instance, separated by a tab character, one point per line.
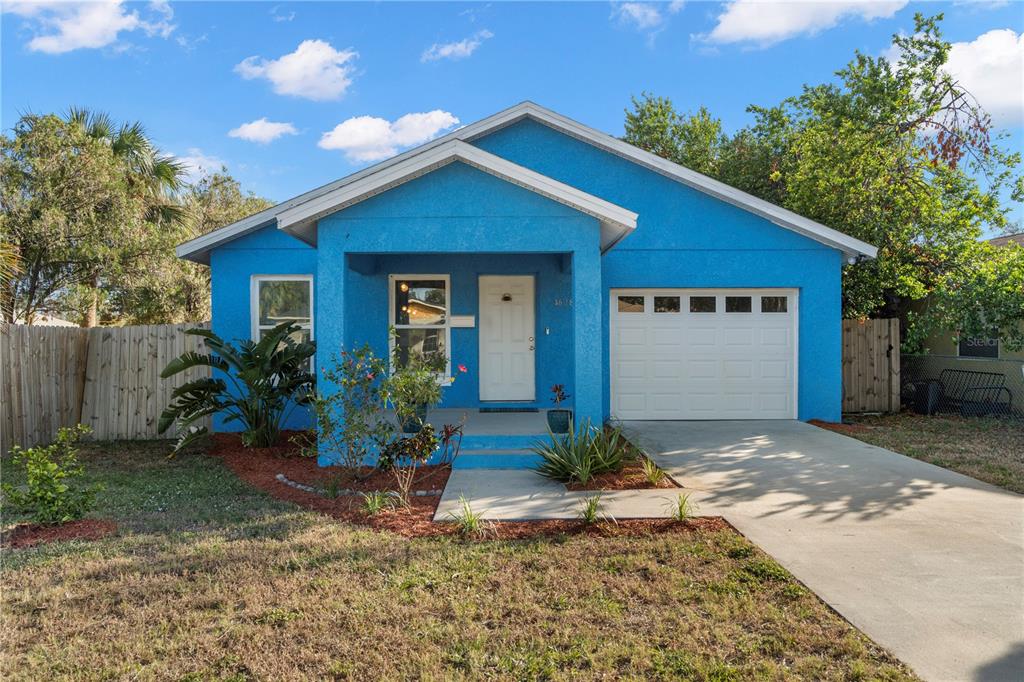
970	387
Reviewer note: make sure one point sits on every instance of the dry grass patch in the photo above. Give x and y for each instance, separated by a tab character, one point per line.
234	585
990	450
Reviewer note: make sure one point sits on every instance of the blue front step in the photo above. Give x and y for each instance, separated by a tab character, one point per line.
496	459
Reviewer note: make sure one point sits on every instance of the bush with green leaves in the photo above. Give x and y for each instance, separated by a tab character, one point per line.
581	454
255	383
53	492
348	418
403	456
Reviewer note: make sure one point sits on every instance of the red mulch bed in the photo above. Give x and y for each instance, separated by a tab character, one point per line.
260	466
839	427
31	534
630	478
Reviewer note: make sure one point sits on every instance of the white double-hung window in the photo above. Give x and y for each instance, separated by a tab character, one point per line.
421	316
282	298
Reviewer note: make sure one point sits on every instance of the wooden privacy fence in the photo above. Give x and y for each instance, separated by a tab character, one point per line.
106	377
871	365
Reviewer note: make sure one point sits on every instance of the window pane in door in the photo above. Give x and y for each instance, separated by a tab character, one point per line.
284	301
424	342
420	302
631	304
666	304
702	304
737	304
773	304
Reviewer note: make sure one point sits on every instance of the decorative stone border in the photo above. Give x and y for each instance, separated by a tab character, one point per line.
347	491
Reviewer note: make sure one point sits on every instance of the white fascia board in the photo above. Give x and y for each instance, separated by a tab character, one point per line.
767	210
615	220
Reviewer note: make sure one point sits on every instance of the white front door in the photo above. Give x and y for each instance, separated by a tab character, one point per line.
506	338
704	353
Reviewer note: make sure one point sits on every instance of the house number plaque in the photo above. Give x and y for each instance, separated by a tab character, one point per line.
560	302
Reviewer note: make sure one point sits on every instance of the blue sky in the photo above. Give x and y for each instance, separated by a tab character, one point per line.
331	82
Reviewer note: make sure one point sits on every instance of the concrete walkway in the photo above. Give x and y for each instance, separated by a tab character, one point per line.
522	495
928	563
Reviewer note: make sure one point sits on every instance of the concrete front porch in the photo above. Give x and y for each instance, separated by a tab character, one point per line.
494	440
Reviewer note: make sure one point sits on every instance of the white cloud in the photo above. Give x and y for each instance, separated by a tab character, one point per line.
61	27
991	67
459	50
197	164
368	138
281	17
766	22
314	71
640	15
262	131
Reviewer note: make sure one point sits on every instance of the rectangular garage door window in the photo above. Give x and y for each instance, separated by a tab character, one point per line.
631	304
773	304
702	304
737	304
666	304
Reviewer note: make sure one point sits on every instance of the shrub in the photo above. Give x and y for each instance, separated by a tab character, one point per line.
349	419
681	508
268	379
470	522
404	456
53	492
652	472
590	511
377	501
581	455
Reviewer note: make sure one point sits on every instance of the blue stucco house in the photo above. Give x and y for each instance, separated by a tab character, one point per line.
536	251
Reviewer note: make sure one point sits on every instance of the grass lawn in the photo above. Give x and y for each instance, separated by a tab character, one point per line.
211	579
987	449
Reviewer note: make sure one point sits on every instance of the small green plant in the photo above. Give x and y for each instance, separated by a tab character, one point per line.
53	492
470	522
590	511
681	508
581	455
377	501
348	409
652	472
403	457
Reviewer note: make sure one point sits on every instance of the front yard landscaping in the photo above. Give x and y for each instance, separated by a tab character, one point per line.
210	578
988	449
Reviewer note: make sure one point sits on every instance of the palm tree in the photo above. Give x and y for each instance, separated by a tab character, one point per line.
157	177
8	268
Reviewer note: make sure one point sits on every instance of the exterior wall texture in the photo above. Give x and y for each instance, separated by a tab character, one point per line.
686	238
461	221
232	266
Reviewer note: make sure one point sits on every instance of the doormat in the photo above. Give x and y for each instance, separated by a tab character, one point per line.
485	410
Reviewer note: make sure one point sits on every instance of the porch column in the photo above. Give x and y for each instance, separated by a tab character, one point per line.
329	323
586	303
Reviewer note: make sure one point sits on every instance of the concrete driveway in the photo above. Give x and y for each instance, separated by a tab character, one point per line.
928	563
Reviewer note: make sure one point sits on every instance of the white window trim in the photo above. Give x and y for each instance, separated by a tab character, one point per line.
254	303
446	378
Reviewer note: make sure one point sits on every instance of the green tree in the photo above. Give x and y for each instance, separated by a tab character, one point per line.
66	209
900	155
174	290
691	140
153	178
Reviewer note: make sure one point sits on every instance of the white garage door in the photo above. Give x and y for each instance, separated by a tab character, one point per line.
703	353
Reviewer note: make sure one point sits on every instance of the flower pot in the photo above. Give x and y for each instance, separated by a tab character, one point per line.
415	424
558	420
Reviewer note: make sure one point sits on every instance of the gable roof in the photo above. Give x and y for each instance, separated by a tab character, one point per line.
1006	240
300	220
198	249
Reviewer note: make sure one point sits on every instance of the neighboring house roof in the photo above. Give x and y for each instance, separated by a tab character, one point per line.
300	220
1008	239
198	249
45	320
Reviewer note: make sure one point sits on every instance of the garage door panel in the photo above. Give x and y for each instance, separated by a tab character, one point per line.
734	363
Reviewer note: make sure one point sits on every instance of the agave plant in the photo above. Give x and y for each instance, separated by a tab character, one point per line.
580	455
258	384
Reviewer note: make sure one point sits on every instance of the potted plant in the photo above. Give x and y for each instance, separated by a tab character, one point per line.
559	418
